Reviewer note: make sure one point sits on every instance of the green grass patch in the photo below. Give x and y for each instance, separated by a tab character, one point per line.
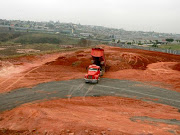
173	47
44	52
14	49
41	47
36	38
21	44
8	51
4	37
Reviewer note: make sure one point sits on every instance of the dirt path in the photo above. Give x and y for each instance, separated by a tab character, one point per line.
77	88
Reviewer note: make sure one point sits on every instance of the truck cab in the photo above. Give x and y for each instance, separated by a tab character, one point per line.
93	74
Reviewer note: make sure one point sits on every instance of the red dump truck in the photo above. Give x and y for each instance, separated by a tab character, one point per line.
98	67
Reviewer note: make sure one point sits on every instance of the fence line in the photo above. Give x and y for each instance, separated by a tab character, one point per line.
177	52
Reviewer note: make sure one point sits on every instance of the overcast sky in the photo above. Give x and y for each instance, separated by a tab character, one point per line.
145	15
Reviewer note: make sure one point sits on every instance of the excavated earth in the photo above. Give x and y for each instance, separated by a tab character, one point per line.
96	115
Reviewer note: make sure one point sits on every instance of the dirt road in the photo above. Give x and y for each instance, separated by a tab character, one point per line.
77	88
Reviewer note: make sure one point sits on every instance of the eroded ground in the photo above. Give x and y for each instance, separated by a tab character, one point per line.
100	115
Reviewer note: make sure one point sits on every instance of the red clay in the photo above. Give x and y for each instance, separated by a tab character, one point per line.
109	115
154	68
32	70
100	115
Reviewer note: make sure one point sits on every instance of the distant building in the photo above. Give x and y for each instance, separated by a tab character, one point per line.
174	42
86	34
46	28
162	41
72	31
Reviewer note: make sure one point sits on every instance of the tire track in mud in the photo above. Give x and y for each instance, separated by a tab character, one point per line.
89	89
21	77
74	90
145	94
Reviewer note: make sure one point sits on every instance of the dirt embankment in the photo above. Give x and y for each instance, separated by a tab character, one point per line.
156	68
99	115
31	70
131	64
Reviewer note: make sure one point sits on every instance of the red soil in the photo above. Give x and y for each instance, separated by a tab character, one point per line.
155	68
32	70
151	67
100	115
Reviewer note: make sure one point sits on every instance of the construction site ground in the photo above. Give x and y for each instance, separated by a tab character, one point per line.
46	94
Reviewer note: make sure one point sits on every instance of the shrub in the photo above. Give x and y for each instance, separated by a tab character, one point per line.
8	36
38	38
154	45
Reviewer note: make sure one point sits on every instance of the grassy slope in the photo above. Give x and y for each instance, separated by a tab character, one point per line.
43	52
38	41
173	46
32	38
